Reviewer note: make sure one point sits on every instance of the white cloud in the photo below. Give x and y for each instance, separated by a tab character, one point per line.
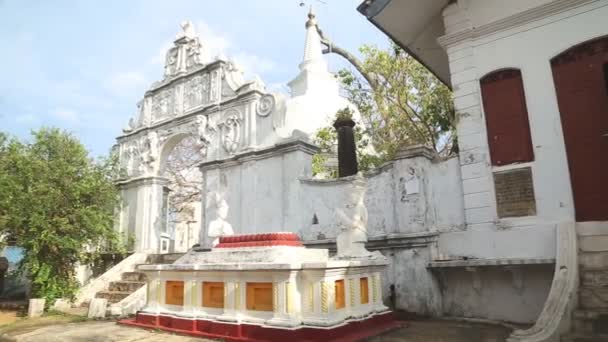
66	115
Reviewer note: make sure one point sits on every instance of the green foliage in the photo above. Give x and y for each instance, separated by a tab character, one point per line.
327	138
58	204
344	114
408	105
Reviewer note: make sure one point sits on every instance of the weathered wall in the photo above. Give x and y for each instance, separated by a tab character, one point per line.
409	202
499	296
482	37
412	194
528	47
261	188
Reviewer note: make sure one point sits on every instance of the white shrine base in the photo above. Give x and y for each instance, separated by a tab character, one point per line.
309	290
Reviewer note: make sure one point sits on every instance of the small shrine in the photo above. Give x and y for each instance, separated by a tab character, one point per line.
267	287
263	285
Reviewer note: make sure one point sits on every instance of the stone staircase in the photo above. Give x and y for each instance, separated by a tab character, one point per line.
130	282
119	290
590	320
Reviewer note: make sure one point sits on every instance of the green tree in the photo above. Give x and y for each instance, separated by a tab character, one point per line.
58	205
400	101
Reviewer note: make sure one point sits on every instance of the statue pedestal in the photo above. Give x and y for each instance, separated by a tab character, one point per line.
266	287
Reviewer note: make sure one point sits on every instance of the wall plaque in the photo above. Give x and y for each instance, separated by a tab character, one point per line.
515	193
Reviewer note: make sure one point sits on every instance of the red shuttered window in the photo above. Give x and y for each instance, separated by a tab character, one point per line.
504	104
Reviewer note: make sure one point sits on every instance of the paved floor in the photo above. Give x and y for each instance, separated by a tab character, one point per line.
445	331
98	332
417	331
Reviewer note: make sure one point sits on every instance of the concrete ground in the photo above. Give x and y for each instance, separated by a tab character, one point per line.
417	331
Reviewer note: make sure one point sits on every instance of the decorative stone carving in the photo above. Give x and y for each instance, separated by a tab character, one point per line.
219	226
186	52
171	61
352	222
265	105
214	89
231	131
162	104
193	53
145	109
233	75
204	133
193	95
148	153
130	126
130	157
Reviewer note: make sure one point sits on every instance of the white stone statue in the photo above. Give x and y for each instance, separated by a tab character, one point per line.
187	30
352	221
148	152
219	226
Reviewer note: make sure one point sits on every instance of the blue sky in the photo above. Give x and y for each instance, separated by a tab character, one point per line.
83	65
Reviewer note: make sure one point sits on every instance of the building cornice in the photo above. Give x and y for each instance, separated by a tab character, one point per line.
287	146
143	180
388	241
206	110
522	18
176	78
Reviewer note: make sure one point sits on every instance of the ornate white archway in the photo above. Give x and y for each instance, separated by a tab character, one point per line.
206	100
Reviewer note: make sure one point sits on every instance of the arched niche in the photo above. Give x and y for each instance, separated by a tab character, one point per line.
182	205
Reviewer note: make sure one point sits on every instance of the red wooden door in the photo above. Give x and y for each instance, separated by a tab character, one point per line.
581	82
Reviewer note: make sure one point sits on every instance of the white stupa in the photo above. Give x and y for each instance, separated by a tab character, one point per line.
315	96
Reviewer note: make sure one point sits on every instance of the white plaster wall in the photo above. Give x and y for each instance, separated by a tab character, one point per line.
446	198
411	195
488	11
263	195
435	202
321	198
498	297
529	47
276	193
416	289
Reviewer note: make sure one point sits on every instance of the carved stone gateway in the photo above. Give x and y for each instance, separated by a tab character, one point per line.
197	97
252	145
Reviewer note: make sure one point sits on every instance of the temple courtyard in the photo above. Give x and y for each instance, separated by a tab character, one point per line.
104	331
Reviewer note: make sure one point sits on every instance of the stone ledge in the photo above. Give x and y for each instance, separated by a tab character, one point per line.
490	262
141	180
288	145
400	240
416	151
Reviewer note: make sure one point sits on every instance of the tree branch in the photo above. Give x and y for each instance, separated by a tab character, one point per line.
352	59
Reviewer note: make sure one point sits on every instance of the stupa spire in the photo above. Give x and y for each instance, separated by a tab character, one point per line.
313	52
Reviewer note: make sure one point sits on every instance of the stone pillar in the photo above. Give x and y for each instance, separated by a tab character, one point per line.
347	149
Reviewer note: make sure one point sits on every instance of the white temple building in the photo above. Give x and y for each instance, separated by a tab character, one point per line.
496	232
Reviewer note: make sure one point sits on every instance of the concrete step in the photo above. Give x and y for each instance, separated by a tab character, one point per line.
168	258
593	259
125	286
112	296
594	277
593	298
133	276
593	243
590	322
